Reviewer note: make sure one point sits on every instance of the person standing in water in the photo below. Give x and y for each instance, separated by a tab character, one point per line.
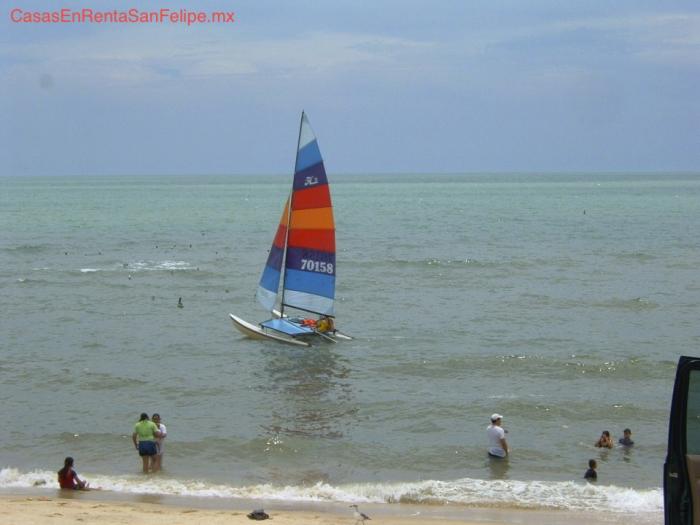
158	460
591	474
626	441
498	446
605	441
144	438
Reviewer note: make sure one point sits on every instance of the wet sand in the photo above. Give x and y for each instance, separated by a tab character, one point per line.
63	507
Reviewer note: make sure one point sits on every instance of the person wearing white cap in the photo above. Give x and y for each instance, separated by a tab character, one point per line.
498	446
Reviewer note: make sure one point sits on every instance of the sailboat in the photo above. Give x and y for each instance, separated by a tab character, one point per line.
302	258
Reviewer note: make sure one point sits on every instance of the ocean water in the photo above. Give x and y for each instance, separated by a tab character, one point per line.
560	301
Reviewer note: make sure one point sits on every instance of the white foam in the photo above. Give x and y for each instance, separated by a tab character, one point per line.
13	478
569	495
159	265
145	266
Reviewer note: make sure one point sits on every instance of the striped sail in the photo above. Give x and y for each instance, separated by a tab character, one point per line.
305	239
270	279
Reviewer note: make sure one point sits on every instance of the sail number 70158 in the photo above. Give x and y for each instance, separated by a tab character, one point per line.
317	266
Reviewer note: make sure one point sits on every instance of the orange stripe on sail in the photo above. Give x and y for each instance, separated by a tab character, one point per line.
314	219
321	240
285	214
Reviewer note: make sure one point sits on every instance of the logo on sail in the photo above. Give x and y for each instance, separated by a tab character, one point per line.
311	180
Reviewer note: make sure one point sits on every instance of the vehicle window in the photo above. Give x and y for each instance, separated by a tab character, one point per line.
693	414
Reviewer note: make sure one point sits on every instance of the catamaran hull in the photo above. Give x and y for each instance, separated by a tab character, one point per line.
257	332
336	335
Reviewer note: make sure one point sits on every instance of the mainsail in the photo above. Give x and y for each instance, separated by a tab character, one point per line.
305	239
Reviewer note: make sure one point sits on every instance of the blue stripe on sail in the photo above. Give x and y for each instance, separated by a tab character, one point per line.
308	156
266	298
314	175
310	282
311	303
270	279
274	260
313	261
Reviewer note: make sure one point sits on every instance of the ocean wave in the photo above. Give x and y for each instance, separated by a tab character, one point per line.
635	256
26	248
143	266
543	495
160	265
28	281
107	382
460	264
635	304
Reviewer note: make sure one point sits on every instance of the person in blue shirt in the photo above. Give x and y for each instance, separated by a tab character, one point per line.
626	441
591	474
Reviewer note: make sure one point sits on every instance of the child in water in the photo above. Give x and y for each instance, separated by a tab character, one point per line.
626	441
605	441
591	474
68	478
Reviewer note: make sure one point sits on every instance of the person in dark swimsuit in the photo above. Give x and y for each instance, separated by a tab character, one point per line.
68	478
591	474
605	441
626	441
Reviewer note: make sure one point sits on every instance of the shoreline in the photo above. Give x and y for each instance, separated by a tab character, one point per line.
43	506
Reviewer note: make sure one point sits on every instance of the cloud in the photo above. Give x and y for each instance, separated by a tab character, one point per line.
663	38
564	50
311	53
152	56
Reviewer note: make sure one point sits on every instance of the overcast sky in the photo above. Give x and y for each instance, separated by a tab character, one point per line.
389	86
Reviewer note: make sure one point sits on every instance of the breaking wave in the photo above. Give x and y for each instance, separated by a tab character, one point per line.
565	495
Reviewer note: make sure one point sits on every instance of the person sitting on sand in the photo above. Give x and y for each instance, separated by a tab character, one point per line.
68	478
626	441
591	474
605	441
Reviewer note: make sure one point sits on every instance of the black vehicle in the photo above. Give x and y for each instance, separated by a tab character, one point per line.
682	467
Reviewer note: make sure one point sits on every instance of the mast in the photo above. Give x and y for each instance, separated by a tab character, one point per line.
289	217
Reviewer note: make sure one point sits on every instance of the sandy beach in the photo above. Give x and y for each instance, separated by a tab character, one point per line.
107	508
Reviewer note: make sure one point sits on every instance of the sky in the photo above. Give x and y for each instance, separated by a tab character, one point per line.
389	87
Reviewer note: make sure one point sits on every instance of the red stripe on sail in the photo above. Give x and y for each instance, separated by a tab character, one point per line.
316	197
321	240
279	236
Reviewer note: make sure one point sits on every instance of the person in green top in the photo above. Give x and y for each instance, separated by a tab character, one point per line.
144	436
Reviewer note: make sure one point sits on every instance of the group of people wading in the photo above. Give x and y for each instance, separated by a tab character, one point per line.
148	437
